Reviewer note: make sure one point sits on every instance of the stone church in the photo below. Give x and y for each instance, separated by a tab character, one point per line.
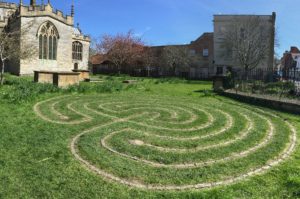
60	46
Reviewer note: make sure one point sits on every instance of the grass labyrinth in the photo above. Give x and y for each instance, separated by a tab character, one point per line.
165	143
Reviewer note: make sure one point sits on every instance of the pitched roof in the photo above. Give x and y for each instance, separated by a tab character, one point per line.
98	59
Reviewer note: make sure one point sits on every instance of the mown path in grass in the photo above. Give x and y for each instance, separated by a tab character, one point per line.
162	143
157	139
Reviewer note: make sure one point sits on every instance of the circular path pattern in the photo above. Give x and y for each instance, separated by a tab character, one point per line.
159	143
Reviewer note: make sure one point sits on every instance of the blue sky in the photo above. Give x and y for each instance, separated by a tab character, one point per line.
176	21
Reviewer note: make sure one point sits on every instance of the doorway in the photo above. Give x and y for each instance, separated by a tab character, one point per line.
76	66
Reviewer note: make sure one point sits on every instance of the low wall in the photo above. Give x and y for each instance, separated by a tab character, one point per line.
271	103
60	79
65	79
84	74
43	77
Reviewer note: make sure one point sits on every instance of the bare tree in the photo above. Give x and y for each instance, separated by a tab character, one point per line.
93	47
12	47
247	41
176	57
122	49
148	59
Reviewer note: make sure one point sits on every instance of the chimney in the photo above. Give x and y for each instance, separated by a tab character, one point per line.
274	16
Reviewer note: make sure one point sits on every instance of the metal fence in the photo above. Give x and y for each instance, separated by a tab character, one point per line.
268	75
258	81
154	72
281	83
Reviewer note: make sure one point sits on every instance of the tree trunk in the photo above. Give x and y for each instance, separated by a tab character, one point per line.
246	73
2	73
119	70
148	70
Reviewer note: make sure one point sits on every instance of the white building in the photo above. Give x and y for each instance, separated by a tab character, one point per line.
223	22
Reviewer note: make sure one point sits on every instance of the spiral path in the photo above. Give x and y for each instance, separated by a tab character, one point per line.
159	143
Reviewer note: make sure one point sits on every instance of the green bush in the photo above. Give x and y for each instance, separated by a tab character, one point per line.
228	81
279	87
171	80
17	90
105	87
109	86
24	90
81	88
286	89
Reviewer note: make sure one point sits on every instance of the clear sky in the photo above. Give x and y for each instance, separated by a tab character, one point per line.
162	22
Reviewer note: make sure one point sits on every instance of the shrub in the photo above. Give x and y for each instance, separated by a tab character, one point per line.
81	88
228	81
24	90
109	86
171	80
282	88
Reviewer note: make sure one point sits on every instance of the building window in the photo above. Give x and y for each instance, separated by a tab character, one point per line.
205	52
48	37
77	50
192	52
219	70
222	30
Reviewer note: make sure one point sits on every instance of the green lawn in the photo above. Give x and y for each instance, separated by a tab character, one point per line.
157	138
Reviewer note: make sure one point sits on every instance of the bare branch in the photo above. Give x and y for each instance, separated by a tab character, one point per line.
12	47
247	41
176	57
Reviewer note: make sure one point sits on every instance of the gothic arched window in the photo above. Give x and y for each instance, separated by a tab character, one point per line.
48	37
77	50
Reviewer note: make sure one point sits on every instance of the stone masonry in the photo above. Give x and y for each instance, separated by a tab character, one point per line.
36	16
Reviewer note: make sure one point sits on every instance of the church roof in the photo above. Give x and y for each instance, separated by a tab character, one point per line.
76	31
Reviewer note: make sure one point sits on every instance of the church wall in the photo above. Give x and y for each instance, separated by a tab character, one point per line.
64	48
13	64
83	65
6	9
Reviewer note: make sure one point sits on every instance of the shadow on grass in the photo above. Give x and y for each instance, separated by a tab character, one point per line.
205	93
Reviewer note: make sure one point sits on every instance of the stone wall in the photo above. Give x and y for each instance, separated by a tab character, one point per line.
64	46
60	79
203	68
6	10
29	19
84	63
223	23
261	101
64	80
13	64
46	10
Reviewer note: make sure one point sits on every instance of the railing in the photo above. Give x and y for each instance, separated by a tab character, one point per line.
153	72
275	83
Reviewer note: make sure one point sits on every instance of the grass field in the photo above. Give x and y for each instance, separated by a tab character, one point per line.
165	138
